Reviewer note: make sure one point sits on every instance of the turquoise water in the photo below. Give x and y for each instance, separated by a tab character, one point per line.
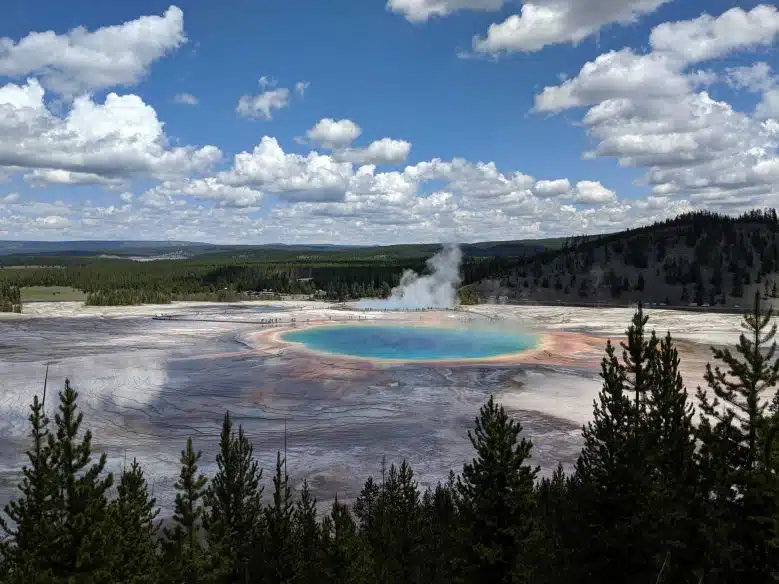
414	343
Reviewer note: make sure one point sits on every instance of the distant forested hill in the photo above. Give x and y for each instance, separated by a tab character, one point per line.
697	258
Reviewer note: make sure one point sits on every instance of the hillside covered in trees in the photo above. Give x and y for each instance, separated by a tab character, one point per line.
653	497
700	258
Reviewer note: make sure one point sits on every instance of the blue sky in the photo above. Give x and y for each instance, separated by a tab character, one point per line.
381	122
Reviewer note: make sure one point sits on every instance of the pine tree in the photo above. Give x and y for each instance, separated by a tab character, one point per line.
737	472
394	539
306	537
80	545
365	507
553	558
279	543
134	536
638	355
610	482
182	546
345	561
29	520
671	458
496	501
438	544
233	505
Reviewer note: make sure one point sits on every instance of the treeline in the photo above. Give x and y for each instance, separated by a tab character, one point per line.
652	497
10	298
125	297
129	282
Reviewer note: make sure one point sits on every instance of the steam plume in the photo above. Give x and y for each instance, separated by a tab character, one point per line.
435	290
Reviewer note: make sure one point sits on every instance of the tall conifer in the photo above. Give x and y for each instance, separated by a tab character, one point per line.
496	501
308	556
738	473
183	550
279	545
671	460
611	484
81	525
233	505
134	530
29	520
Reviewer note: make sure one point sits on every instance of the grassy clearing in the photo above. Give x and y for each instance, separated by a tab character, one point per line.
52	294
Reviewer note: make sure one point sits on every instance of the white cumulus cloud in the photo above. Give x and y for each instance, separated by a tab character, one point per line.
261	106
421	10
650	110
548	22
333	134
91	142
82	60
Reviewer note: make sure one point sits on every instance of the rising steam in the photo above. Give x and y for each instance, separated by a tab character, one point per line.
435	290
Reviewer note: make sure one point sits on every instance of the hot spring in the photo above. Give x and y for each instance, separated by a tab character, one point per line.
411	343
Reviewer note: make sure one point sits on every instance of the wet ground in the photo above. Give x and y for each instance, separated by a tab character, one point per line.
146	385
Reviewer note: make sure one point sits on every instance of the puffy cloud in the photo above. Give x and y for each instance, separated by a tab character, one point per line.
707	37
383	151
261	106
592	192
10	198
42	177
769	104
81	60
755	77
649	111
205	189
92	142
421	10
552	188
338	135
613	76
293	177
185	99
548	22
333	134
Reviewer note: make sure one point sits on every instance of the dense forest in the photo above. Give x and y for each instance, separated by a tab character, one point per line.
128	282
698	258
10	298
654	497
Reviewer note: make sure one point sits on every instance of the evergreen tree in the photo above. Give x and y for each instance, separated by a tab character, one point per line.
611	484
134	535
279	544
554	514
496	501
233	505
638	355
394	537
738	474
438	549
345	561
365	507
308	565
671	459
80	545
183	551
26	548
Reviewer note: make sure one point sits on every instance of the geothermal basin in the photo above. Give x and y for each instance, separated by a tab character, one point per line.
424	343
347	387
